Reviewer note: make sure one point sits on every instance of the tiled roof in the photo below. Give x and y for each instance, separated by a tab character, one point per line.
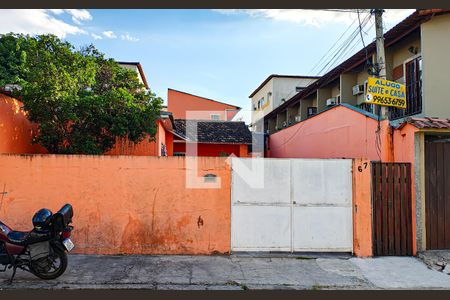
215	132
435	123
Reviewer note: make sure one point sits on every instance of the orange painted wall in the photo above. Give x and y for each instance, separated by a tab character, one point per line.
404	151
215	149
16	132
362	208
336	133
145	147
178	103
122	204
343	133
169	143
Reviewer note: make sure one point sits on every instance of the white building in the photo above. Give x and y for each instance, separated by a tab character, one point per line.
274	91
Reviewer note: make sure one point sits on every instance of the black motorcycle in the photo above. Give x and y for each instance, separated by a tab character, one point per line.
41	251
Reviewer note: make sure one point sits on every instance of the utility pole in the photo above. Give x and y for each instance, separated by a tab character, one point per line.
380	59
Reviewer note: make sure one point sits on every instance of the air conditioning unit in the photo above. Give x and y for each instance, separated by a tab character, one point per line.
358	89
298	118
331	101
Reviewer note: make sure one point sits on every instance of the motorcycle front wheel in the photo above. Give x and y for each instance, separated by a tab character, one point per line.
50	267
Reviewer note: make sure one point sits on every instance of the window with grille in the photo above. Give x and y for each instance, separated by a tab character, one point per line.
368	107
413	79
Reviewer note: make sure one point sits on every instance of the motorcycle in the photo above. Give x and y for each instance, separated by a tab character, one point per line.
41	251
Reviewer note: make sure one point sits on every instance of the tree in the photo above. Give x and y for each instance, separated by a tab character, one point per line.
81	101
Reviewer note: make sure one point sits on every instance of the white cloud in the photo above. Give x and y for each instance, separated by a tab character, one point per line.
110	34
315	18
96	36
57	11
127	37
35	21
79	15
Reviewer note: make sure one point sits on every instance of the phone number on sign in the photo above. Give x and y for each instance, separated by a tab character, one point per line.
384	100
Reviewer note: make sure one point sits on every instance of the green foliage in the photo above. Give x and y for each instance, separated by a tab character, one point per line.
81	100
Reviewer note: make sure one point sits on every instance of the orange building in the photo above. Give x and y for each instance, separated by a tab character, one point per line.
203	127
187	106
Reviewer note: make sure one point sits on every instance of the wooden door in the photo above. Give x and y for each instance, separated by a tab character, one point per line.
391	209
437	192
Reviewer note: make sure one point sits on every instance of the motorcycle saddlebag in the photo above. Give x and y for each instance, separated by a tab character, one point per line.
39	250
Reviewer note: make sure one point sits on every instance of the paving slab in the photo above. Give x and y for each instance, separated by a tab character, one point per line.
401	273
178	272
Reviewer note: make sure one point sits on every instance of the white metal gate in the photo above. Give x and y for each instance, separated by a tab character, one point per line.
304	205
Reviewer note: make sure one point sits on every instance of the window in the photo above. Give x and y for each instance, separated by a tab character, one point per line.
413	82
311	111
368	107
215	117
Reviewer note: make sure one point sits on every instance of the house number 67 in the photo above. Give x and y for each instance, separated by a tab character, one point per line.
361	168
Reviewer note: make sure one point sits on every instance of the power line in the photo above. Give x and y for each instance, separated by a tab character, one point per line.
334	10
360	33
344	47
336	54
329	50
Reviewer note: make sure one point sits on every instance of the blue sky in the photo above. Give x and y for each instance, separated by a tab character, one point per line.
218	54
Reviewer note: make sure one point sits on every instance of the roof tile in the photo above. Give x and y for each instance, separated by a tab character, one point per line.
228	132
429	123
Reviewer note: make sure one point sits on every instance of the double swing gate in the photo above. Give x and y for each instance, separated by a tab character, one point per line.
391	209
299	205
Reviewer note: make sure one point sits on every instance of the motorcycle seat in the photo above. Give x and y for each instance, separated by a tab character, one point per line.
18	237
23	238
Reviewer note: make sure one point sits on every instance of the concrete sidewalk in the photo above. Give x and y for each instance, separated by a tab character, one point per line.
236	273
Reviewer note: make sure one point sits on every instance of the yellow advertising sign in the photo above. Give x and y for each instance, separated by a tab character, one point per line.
386	93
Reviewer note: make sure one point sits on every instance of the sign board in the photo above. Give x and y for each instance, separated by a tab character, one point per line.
386	93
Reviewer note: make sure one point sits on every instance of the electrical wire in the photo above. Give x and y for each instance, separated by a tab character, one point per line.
331	48
291	137
360	33
378	134
337	53
344	47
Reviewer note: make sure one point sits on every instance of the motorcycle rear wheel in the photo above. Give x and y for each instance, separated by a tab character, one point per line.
55	271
